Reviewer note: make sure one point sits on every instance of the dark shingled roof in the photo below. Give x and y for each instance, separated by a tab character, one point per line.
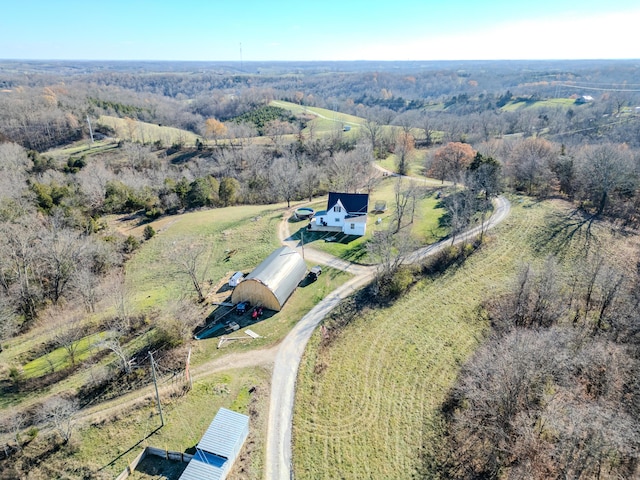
354	203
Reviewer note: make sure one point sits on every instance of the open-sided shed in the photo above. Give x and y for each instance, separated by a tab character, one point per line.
273	281
218	447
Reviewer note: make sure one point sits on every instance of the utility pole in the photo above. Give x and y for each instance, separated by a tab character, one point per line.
90	129
155	384
187	372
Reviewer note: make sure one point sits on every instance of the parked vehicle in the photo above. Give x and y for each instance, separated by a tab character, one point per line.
235	279
242	308
314	273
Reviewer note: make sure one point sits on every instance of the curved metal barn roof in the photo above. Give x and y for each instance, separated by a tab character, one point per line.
273	281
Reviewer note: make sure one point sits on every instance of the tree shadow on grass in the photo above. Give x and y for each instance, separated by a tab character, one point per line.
562	231
112	462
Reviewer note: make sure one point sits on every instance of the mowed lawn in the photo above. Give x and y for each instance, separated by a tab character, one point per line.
249	233
425	228
367	406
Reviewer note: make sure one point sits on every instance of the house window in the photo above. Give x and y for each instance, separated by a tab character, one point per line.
337	209
353	226
337	220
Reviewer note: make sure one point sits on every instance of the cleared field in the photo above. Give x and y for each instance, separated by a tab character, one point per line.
136	131
552	102
367	406
247	231
105	444
82	147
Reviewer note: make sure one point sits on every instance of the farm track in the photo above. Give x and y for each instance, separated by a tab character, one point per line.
361	408
248	359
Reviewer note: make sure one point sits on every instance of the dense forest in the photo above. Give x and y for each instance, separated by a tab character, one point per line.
565	130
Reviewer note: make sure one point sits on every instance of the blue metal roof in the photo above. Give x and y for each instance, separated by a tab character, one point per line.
218	447
226	434
354	203
205	466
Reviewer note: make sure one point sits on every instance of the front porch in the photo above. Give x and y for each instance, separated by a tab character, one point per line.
313	227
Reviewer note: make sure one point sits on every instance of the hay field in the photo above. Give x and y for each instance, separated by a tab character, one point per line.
367	406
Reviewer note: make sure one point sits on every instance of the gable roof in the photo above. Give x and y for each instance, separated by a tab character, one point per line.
354	203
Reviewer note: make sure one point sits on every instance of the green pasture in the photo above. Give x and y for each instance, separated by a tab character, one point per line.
343	118
59	358
146	133
81	148
367	406
325	121
248	232
550	103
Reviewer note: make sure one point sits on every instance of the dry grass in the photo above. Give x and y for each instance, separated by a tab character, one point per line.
367	406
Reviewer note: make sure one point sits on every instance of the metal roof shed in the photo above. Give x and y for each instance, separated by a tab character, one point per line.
218	447
273	281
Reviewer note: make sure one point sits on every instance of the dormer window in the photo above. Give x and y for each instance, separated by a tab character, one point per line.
337	208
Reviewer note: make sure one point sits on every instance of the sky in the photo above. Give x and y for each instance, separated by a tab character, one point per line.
319	30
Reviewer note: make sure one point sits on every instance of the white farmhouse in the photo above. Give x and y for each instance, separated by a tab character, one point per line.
346	213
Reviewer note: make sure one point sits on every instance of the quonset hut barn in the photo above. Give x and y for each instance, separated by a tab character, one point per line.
273	281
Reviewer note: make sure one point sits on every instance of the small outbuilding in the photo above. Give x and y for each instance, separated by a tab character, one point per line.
273	281
218	447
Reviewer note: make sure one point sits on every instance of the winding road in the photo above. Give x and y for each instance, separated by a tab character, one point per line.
285	370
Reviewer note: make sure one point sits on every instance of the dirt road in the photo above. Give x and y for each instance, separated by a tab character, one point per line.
279	463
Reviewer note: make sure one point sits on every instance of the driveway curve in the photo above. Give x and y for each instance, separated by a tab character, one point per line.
279	454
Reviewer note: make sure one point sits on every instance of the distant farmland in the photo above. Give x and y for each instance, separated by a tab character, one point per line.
136	131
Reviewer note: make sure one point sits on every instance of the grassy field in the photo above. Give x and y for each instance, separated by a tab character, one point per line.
136	131
109	447
551	102
105	446
81	148
366	407
250	231
59	358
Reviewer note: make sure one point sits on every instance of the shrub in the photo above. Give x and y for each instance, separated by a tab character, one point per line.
148	232
130	244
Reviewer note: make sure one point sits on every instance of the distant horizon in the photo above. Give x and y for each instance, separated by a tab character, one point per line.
335	31
462	60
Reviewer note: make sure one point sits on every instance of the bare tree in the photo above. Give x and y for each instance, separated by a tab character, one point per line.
604	172
404	150
350	171
119	296
87	284
406	196
113	343
389	251
372	131
67	332
60	413
192	261
529	165
285	178
311	176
